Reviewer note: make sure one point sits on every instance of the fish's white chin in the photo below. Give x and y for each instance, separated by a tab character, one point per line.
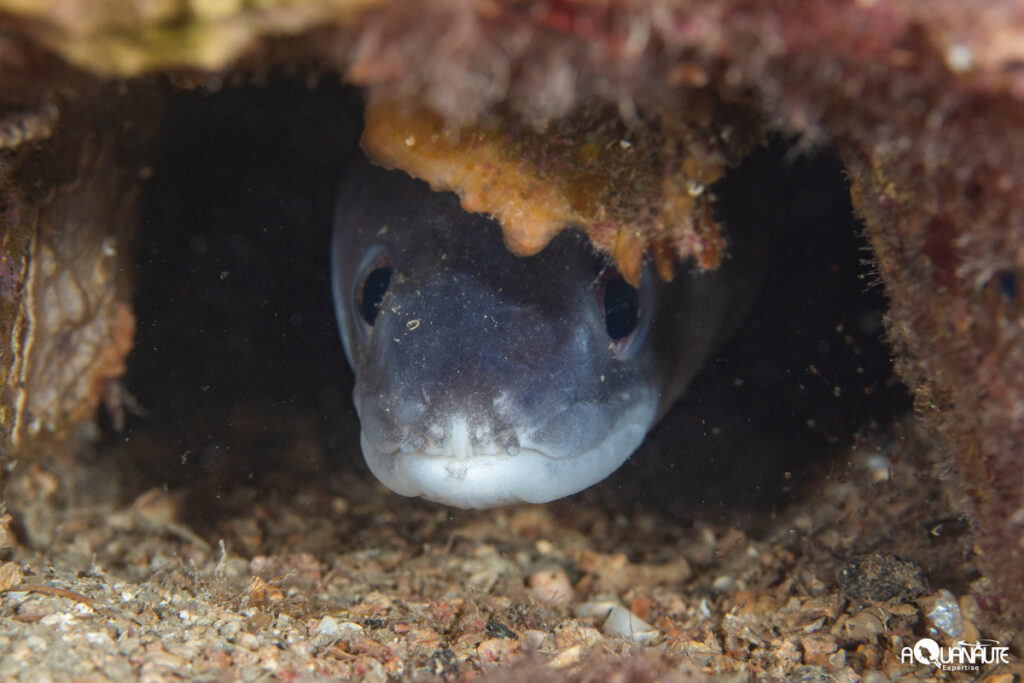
494	479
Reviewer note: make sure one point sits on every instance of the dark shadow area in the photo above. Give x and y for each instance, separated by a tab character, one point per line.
806	370
245	388
236	336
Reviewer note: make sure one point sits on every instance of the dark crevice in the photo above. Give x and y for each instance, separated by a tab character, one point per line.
806	371
238	358
236	331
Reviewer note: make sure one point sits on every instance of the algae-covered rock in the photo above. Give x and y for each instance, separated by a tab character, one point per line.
630	187
67	219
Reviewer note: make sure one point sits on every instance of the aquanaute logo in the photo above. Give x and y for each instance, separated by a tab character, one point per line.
963	656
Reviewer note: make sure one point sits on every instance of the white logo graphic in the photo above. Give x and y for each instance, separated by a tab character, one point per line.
963	656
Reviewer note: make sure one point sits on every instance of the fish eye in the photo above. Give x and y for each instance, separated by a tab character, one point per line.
374	286
620	305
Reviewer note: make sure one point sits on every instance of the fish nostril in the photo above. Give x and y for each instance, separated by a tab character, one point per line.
508	441
413	441
411	412
479	435
436	432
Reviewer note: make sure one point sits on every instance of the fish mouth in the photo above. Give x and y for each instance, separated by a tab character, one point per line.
492	479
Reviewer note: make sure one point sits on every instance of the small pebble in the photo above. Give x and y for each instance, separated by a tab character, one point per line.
618	621
248	641
942	611
496	649
350	628
328	627
880	578
10	575
818	648
534	639
596	608
863	627
624	624
36	643
722	583
566	657
552	586
99	639
231	628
